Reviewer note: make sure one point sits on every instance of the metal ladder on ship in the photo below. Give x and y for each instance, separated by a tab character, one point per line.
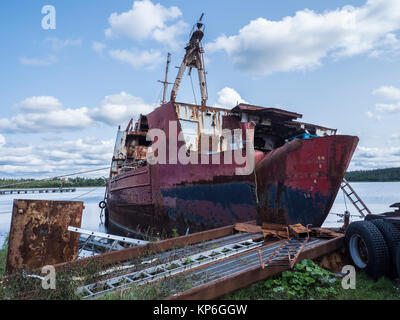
354	198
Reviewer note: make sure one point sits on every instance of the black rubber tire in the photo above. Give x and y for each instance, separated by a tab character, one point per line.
102	204
392	237
397	260
377	250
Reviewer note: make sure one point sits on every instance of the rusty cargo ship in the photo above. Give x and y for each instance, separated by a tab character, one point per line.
294	173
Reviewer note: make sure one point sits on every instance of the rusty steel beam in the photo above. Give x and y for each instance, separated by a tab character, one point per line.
229	284
148	249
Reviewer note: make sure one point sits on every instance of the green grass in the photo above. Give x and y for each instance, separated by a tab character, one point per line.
3	260
152	291
278	288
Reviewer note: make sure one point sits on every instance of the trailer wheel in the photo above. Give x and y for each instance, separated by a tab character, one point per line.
392	237
367	248
397	260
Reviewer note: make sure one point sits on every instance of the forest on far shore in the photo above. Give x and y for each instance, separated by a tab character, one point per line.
376	175
51	183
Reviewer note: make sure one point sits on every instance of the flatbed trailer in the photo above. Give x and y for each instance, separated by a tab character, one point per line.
210	276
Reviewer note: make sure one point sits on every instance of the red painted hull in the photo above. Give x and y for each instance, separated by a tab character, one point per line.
295	183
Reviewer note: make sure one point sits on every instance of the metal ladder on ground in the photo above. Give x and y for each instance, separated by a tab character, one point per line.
286	254
99	242
166	270
354	198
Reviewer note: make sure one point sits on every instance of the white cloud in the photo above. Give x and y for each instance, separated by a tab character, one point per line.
301	41
390	93
372	115
56	120
138	59
98	47
39	104
372	158
38	62
56	157
147	20
46	114
119	108
58	44
392	108
228	98
2	140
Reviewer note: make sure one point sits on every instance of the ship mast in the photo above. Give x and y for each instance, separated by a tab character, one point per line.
165	82
193	59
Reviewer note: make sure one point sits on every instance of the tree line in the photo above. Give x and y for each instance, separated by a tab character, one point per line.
376	175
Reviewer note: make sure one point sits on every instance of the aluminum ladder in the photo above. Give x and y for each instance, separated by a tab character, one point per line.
166	270
354	198
99	242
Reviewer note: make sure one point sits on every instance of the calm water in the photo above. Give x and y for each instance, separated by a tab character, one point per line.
378	196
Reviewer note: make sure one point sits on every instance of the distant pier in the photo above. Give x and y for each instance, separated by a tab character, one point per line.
36	190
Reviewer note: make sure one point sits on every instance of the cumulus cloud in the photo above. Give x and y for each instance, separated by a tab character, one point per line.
390	94
58	44
229	98
138	59
39	104
118	108
302	41
98	47
55	158
56	120
147	20
373	158
46	114
38	62
2	140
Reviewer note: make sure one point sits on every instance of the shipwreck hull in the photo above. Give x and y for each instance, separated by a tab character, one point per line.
296	183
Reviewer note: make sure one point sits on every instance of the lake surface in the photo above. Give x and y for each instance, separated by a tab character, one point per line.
378	196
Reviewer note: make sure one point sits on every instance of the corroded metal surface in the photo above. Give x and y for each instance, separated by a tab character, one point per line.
295	183
39	233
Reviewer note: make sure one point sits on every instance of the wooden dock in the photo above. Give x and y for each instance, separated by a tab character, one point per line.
36	190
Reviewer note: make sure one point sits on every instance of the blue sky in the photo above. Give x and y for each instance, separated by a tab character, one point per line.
64	92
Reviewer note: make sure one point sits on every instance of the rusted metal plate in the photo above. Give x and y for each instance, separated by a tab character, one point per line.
247	227
39	233
298	229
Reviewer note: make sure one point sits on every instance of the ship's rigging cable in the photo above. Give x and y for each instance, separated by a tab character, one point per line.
194	95
84	194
